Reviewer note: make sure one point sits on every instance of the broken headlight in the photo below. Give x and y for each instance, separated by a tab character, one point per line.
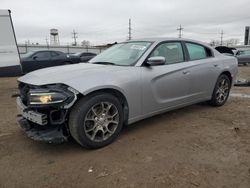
51	95
46	98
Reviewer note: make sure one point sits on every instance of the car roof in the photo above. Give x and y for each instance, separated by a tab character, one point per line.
162	39
159	39
59	52
47	51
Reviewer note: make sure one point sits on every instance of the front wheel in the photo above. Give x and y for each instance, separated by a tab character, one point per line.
221	91
96	120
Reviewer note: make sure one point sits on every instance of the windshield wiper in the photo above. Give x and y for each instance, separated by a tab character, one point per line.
104	63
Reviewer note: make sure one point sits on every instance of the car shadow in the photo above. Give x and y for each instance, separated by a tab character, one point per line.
145	123
72	146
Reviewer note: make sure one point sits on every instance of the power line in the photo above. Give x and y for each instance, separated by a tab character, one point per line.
180	31
74	37
129	30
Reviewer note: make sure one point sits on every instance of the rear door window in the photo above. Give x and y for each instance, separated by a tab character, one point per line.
196	51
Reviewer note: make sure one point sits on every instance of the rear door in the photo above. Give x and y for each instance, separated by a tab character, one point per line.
165	86
57	58
203	71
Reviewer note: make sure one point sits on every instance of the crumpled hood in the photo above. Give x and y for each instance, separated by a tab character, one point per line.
69	74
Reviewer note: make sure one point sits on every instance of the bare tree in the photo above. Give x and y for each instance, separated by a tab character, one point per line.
232	42
85	43
215	43
229	42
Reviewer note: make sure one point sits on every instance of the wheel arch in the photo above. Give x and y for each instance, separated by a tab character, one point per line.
118	94
228	73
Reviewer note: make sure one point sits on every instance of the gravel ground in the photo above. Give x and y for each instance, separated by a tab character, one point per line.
196	146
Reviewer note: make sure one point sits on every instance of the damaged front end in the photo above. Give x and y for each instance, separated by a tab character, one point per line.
43	111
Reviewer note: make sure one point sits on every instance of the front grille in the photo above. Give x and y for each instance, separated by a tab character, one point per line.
24	90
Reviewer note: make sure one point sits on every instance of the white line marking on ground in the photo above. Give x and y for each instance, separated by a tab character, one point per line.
241	95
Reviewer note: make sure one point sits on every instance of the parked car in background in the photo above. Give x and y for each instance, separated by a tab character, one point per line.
243	57
85	56
234	50
47	58
126	83
225	50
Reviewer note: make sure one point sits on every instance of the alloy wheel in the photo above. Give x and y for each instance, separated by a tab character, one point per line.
222	90
101	121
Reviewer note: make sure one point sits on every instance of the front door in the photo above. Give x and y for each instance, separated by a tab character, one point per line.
165	86
40	60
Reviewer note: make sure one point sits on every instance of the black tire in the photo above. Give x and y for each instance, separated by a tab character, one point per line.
215	100
77	121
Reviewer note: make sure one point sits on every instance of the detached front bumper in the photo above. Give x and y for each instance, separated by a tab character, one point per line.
46	134
38	126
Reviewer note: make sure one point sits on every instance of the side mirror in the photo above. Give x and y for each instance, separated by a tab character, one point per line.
157	60
34	57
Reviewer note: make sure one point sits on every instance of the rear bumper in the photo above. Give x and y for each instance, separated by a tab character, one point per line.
48	134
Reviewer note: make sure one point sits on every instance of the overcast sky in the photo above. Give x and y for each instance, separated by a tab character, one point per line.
106	21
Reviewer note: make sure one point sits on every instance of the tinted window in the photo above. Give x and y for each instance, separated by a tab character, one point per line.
246	52
53	54
29	54
42	55
196	51
172	51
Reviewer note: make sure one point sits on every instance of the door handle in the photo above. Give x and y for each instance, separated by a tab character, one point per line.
215	65
185	72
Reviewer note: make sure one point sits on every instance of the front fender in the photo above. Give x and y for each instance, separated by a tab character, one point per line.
128	84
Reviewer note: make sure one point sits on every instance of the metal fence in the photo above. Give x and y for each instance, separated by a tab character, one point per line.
242	47
24	48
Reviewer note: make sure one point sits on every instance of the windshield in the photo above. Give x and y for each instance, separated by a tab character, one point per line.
78	53
124	54
27	54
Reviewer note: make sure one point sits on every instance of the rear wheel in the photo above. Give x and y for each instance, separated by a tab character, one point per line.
96	120
221	91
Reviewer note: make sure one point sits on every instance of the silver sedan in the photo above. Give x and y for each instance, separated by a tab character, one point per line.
243	57
128	82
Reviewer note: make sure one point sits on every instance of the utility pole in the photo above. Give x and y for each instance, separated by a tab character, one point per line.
74	37
180	31
129	30
221	37
47	42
